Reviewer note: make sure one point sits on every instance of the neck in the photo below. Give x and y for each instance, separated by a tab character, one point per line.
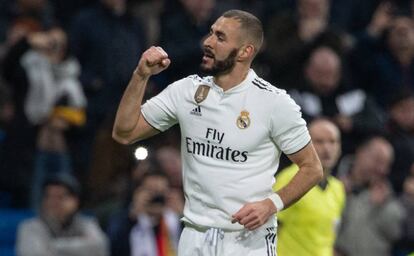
232	79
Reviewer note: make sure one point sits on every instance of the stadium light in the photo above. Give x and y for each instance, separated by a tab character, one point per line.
141	153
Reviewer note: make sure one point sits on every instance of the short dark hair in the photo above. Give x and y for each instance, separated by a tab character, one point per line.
152	173
250	23
65	180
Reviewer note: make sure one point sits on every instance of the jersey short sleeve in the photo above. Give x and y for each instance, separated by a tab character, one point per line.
161	110
288	128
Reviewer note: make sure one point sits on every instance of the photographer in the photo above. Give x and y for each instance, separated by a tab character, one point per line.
148	226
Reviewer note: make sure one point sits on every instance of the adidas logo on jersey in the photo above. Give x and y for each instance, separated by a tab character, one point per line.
196	111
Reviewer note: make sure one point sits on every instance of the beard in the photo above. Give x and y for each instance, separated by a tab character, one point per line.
220	67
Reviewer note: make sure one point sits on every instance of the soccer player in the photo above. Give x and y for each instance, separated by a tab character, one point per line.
234	126
309	227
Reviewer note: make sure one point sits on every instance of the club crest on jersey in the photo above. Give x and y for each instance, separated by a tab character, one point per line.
201	93
243	121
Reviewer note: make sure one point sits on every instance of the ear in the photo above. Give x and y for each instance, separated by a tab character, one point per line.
246	52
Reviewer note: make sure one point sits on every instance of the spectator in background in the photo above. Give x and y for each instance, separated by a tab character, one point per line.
169	159
373	216
55	102
182	31
291	36
400	130
147	226
372	158
25	16
353	15
149	12
21	17
383	60
49	99
60	230
106	39
40	74
326	92
309	227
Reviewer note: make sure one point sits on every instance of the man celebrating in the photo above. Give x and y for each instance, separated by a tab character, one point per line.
234	126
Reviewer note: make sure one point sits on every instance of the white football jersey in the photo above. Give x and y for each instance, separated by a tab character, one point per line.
231	142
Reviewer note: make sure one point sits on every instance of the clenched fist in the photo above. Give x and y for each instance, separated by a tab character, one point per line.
153	61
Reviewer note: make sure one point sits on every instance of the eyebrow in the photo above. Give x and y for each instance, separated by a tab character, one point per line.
218	32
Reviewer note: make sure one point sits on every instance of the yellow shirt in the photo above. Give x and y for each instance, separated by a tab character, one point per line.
308	228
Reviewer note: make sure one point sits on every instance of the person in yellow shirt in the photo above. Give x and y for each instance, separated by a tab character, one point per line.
308	228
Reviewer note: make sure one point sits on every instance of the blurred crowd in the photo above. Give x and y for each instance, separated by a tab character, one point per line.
64	66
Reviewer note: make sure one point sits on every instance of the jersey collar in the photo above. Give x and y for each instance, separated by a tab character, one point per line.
251	75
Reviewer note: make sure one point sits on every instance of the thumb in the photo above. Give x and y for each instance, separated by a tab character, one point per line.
165	62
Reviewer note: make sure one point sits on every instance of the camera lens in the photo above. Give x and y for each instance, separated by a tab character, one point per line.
158	199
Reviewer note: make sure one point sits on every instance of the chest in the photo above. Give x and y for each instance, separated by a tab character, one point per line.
225	120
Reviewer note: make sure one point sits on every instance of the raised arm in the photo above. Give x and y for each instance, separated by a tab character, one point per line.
129	124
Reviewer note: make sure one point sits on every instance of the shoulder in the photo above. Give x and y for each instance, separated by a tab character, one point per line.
31	224
271	93
191	81
86	219
280	105
265	87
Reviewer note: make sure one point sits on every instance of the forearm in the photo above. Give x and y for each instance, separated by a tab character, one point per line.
129	126
129	109
306	178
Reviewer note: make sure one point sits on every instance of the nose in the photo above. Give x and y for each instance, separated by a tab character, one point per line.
207	41
326	147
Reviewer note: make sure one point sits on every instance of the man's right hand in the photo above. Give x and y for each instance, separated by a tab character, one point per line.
153	61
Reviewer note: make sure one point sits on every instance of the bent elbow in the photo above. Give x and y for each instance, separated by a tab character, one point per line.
120	139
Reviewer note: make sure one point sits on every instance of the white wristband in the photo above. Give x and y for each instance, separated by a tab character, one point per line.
277	201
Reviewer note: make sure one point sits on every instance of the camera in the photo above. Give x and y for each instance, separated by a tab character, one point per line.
158	199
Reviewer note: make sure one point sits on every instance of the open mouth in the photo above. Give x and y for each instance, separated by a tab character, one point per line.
208	54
